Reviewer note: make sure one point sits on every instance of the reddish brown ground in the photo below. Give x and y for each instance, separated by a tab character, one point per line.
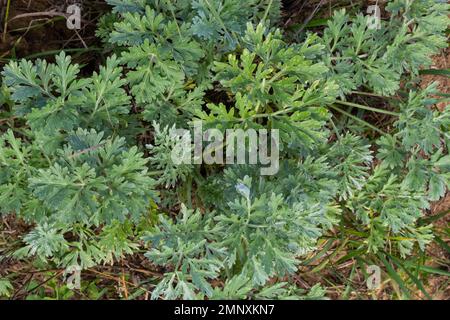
436	283
440	61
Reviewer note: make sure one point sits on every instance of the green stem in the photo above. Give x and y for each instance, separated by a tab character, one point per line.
358	119
155	173
370	94
189	192
220	21
360	106
5	27
267	10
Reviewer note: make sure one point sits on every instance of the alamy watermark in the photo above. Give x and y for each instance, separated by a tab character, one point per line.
72	276
73	17
236	146
374	277
374	19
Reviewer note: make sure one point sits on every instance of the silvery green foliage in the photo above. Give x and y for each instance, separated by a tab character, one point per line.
51	97
420	144
6	288
47	243
47	94
169	146
85	165
218	23
241	287
268	233
273	80
87	182
361	56
188	246
94	181
390	210
257	235
66	175
350	157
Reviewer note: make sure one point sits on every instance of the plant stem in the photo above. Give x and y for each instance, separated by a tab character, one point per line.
360	106
358	119
5	27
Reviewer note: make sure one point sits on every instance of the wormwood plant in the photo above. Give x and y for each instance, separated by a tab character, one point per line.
73	162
